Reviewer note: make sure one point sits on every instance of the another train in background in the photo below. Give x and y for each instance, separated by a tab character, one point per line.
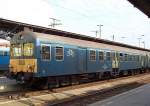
4	56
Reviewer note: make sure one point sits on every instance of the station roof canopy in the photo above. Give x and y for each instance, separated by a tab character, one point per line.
143	5
14	27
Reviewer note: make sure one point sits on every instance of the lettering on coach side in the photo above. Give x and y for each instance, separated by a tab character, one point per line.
70	52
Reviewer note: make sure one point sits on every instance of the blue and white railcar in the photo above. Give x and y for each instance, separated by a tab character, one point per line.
4	56
36	56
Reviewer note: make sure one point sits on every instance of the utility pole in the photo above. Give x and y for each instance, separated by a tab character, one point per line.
113	37
55	22
139	41
96	32
100	30
143	43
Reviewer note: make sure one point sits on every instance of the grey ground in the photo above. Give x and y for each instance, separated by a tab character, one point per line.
136	97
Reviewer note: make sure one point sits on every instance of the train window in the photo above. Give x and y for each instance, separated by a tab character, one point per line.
137	57
129	57
108	56
101	55
28	49
17	50
59	53
92	56
121	56
46	52
5	53
126	57
133	58
1	53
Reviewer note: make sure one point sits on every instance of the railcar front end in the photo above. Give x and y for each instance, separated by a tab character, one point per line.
23	63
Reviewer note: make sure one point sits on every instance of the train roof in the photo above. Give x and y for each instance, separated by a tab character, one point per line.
29	36
4	42
15	26
4	48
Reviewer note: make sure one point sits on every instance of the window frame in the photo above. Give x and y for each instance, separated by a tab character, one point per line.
63	53
99	55
14	46
5	53
1	53
49	52
90	54
23	51
126	56
134	58
121	56
110	57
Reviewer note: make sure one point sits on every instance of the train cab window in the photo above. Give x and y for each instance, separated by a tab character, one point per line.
101	55
16	50
46	52
108	56
59	53
92	54
28	49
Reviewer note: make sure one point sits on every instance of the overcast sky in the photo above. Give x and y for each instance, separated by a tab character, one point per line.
118	17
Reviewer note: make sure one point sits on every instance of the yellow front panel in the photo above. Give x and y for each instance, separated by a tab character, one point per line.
23	65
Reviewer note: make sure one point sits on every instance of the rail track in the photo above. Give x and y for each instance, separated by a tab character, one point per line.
27	93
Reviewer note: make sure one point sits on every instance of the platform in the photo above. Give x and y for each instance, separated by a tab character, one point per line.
57	97
6	81
137	97
7	84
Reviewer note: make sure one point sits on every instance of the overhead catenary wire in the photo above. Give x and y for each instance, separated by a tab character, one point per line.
86	15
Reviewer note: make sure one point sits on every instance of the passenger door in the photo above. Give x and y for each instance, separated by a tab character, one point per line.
82	60
45	59
115	61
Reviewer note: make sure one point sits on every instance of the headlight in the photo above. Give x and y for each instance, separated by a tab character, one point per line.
2	87
28	66
10	66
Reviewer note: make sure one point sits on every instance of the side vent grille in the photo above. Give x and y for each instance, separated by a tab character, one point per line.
21	62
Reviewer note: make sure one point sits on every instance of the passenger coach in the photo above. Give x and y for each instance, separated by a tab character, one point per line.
54	59
4	56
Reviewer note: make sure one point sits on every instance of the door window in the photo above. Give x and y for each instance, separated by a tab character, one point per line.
59	53
46	52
